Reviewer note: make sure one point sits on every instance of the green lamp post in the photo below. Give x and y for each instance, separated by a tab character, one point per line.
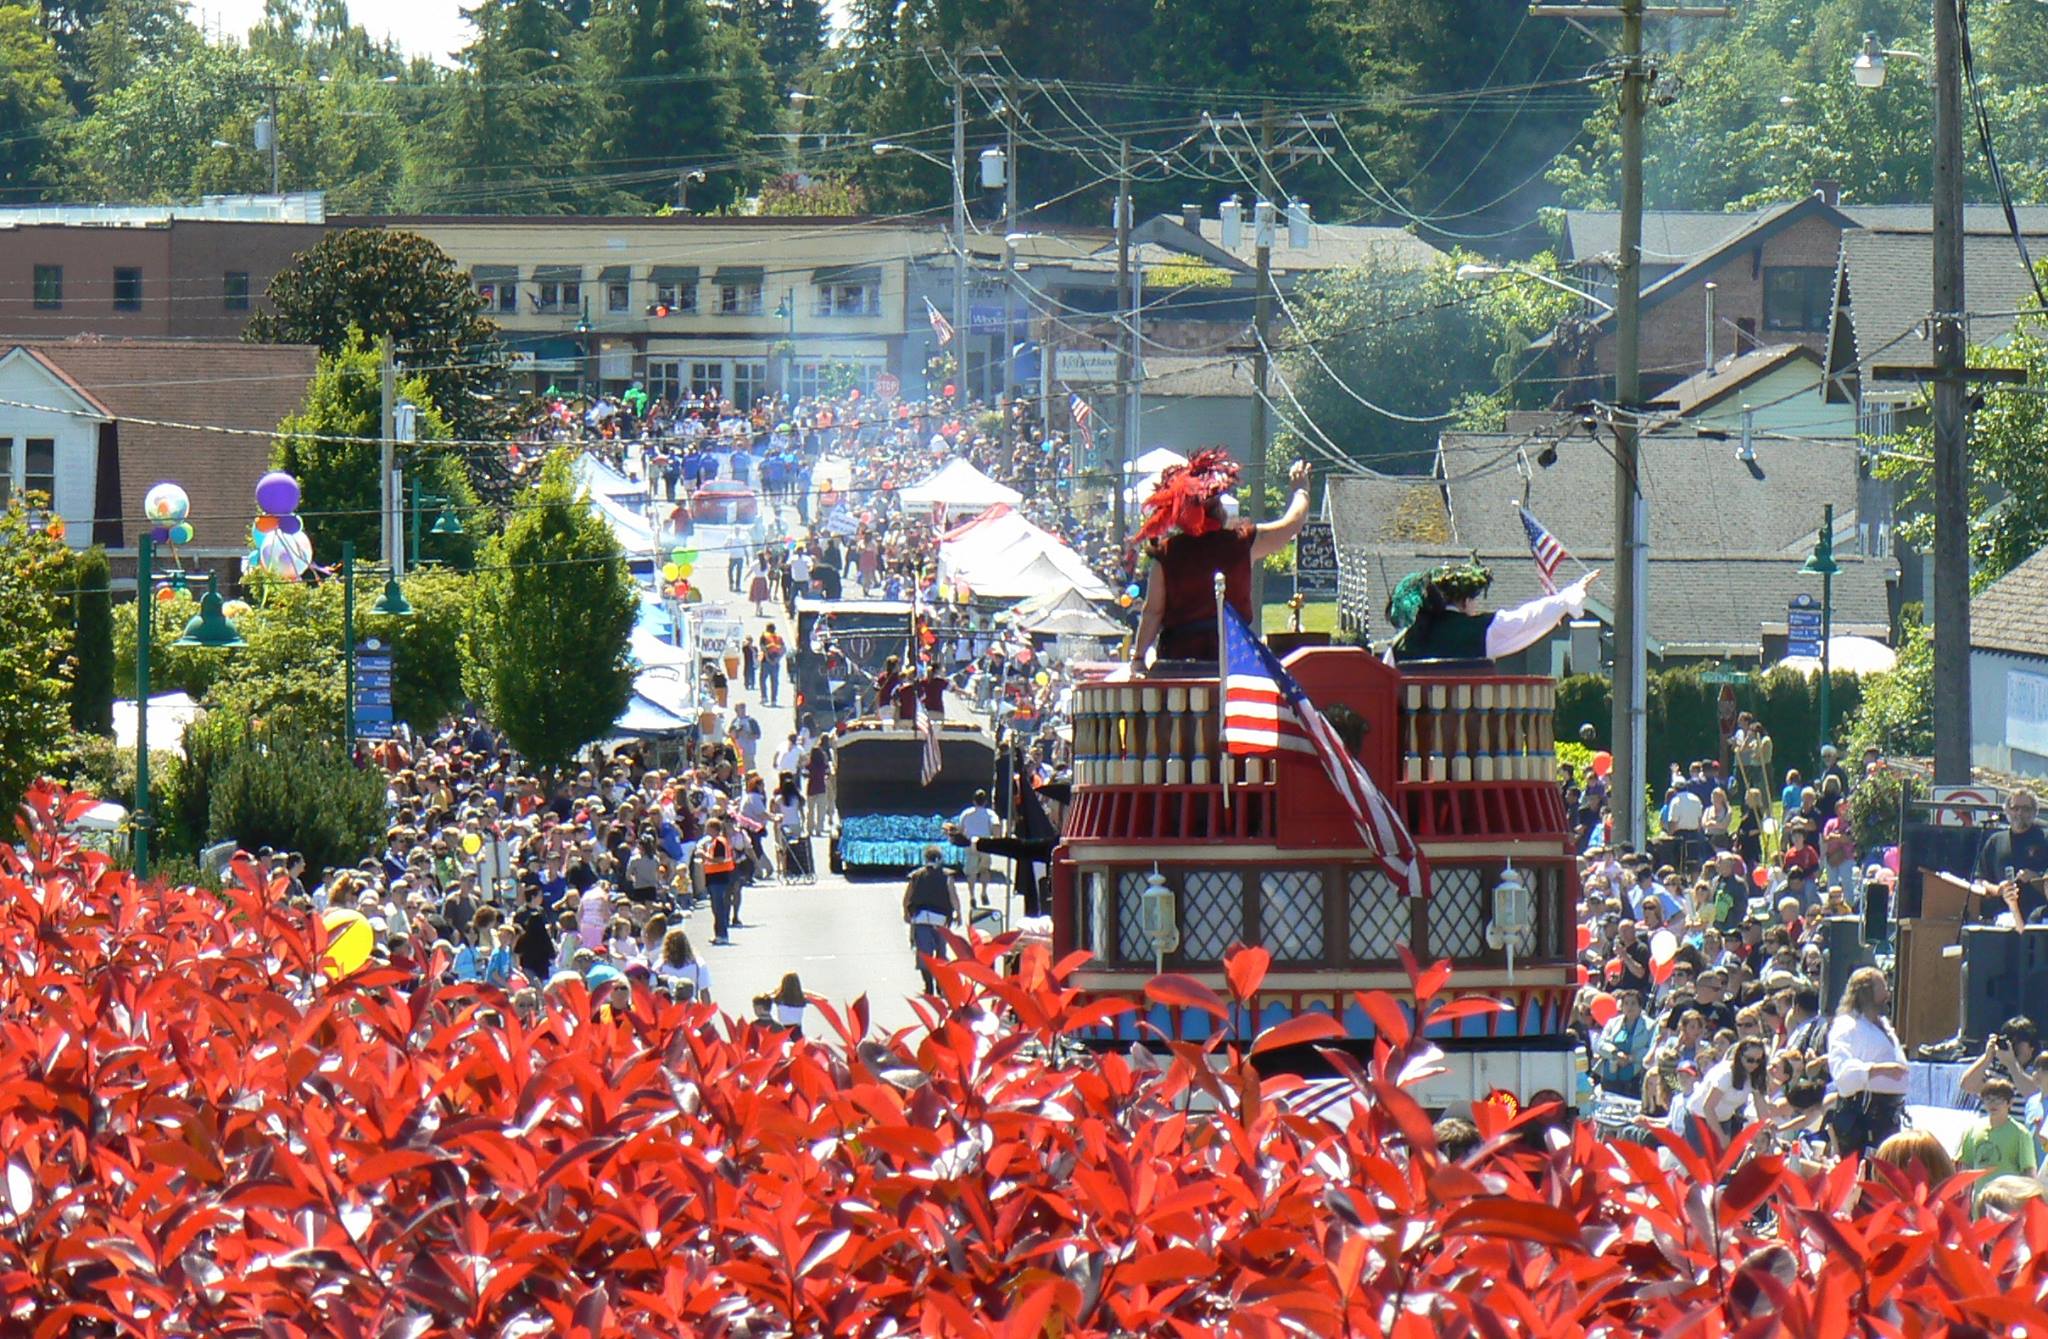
1823	565
446	522
209	627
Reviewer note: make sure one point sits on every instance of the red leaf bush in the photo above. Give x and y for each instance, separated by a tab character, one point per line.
201	1137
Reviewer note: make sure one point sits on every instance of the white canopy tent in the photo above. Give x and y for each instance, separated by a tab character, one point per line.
960	488
1063	611
1007	557
1156	461
1848	654
169	714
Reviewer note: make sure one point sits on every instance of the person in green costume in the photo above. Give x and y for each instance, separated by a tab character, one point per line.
1433	615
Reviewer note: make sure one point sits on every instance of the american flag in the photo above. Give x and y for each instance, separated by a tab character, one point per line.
1548	552
1083	415
1265	711
941	327
928	764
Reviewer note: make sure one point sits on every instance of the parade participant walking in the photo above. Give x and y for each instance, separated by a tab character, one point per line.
976	821
1192	535
931	905
719	865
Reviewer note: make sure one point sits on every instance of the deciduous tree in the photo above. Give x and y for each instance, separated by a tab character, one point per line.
35	669
92	644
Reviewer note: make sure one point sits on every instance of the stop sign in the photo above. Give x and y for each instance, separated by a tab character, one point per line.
888	386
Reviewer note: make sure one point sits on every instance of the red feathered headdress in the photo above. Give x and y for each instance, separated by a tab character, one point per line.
1181	499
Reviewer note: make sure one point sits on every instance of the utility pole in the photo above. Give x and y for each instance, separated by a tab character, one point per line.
1126	344
1951	435
1009	395
387	434
271	88
960	333
1631	510
1262	316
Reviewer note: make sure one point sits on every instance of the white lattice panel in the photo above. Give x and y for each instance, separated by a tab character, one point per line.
1132	943
1380	917
1291	914
1459	906
1211	913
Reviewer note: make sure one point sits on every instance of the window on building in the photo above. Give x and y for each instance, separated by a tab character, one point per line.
1798	297
234	290
616	296
742	299
812	379
551	295
6	469
749	383
499	295
127	289
678	295
707	379
39	467
665	379
849	300
49	287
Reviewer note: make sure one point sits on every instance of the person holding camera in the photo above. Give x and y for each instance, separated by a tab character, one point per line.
2010	1054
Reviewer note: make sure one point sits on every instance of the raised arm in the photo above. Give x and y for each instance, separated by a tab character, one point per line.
1276	535
1153	616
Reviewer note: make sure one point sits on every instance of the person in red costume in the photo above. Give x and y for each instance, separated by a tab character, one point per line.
1192	534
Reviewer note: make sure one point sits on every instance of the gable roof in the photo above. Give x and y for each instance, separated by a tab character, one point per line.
2011	614
206	383
1884	289
1670	236
1331	246
87	401
1766	224
1703	390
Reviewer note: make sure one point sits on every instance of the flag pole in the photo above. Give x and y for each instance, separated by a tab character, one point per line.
1222	672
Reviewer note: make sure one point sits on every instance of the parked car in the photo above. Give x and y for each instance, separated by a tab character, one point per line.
724	502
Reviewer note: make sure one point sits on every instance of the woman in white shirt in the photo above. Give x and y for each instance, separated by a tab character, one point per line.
679	964
1731	1094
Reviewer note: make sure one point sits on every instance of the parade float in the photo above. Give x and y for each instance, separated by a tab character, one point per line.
1173	852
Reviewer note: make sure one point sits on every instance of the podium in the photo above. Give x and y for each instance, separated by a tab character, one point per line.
1929	1007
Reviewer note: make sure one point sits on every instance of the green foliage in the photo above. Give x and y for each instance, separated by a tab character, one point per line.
1897	713
1420	339
92	644
794	196
35	687
545	652
148	134
1874	806
296	790
33	108
339	479
172	669
95	763
370	282
188	785
2008	487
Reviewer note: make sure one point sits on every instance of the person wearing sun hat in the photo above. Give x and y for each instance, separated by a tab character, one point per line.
1433	616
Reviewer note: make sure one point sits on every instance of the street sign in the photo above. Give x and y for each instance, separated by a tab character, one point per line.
372	707
1315	561
1940	797
1724	676
1084	366
888	385
1802	626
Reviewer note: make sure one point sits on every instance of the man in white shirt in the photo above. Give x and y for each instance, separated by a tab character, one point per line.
977	821
1866	1065
1683	814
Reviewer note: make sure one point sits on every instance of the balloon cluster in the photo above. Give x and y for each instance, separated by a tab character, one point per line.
166	506
1130	595
277	540
681	564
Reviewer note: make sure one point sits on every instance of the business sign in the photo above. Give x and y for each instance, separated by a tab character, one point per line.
2026	712
372	706
1084	366
1315	562
1802	627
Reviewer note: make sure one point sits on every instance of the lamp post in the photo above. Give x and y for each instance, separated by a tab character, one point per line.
1823	565
209	627
446	522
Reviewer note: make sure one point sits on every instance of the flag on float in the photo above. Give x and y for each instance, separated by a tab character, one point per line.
1265	712
1083	415
928	765
941	327
1544	547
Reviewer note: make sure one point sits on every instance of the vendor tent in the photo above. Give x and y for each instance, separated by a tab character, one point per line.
1063	611
1010	558
169	714
644	717
1847	655
959	487
1156	461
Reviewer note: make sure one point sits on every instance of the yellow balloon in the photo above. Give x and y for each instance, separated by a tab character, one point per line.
471	843
684	570
671	571
350	941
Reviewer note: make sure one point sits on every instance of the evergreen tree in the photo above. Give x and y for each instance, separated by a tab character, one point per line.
33	108
295	789
34	692
92	644
546	650
678	106
789	33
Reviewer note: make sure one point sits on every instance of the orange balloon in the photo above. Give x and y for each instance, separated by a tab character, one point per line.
1603	763
1601	1006
266	523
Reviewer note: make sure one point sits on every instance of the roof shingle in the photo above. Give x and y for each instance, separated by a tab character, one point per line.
2011	614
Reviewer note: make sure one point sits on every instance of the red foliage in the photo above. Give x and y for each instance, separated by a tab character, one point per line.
201	1137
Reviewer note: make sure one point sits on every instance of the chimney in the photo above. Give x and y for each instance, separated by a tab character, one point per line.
1191	218
1829	190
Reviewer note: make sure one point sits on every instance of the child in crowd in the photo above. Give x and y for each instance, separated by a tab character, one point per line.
1997	1143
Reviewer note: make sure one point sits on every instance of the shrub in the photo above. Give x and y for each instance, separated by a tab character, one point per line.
283	787
92	644
205	1137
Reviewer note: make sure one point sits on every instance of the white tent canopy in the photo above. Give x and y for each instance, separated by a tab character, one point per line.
1156	461
1848	654
169	714
1063	611
961	488
1007	557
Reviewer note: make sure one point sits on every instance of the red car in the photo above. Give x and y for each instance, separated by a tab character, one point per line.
724	502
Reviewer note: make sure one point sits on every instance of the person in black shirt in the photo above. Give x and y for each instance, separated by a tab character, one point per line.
2016	859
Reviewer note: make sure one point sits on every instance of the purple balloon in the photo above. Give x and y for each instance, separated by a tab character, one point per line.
159	534
277	493
290	523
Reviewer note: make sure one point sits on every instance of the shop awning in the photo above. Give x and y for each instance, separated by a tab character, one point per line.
674	274
736	275
558	274
494	274
847	274
615	274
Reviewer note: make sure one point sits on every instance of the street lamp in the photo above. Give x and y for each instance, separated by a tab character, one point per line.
210	627
1867	69
1823	565
1469	272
